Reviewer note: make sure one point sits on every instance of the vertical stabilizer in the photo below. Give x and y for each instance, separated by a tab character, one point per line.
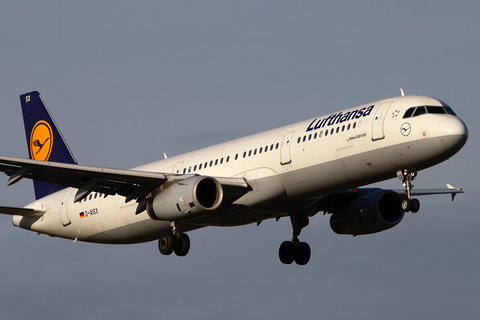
44	140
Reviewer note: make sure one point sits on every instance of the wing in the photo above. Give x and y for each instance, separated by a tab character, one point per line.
132	184
452	191
332	202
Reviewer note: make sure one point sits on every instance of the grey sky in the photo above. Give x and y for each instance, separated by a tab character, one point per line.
128	81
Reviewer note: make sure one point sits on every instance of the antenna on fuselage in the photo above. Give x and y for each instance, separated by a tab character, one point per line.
402	93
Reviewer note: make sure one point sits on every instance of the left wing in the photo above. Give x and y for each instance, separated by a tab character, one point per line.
426	192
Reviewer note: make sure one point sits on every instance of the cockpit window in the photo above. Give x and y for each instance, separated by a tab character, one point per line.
419	111
431	109
450	111
409	112
447	108
416	111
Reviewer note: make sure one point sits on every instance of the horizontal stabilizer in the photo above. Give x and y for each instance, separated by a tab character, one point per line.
25	212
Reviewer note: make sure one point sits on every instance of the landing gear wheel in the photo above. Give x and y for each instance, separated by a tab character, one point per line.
295	250
303	253
182	245
406	205
166	243
299	252
409	204
412	205
415	205
287	252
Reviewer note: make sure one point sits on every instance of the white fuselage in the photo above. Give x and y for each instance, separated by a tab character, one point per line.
287	169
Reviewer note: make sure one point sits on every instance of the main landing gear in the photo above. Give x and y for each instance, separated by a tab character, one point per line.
174	242
295	250
408	204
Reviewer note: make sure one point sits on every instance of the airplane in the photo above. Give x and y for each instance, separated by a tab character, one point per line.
294	171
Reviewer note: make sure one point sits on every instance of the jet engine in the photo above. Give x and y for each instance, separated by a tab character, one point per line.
186	199
370	213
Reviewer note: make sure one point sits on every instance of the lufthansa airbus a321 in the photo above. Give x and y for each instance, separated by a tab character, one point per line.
294	171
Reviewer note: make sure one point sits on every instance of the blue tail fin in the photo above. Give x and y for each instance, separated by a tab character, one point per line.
44	140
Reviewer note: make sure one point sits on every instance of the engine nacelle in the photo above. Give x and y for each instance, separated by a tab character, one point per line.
186	199
371	213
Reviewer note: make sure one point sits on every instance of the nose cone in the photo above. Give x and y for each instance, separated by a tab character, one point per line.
453	133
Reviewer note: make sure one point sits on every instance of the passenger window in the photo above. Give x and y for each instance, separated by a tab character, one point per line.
354	124
304	138
276	146
228	158
216	161
298	140
200	167
315	136
326	133
221	161
331	131
245	154
195	168
409	112
419	111
249	153
236	156
260	151
338	128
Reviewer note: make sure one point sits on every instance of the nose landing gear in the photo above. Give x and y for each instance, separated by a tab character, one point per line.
408	204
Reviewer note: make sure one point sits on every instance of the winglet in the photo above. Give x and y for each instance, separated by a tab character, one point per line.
401	92
453	194
44	140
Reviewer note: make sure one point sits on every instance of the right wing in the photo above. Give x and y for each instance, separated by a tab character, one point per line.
132	184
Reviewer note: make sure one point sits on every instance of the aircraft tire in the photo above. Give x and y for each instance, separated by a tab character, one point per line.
166	243
183	245
415	205
303	254
286	252
406	205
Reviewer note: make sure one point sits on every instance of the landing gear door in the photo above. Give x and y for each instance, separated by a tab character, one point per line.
379	120
285	148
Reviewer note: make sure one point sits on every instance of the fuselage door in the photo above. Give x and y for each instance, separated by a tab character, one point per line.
379	120
64	207
177	168
285	148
